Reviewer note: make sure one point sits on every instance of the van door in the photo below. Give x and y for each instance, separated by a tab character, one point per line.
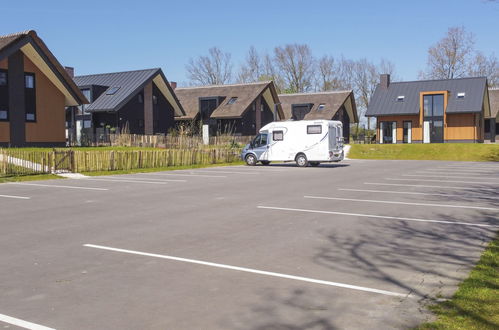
261	146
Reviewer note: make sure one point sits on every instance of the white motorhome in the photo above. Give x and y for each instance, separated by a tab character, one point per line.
304	141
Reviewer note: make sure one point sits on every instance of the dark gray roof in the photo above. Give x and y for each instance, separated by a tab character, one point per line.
129	83
384	100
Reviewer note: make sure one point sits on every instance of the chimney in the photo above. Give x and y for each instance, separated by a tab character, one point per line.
70	71
384	80
173	84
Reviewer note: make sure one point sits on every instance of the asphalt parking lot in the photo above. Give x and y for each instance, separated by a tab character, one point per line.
356	245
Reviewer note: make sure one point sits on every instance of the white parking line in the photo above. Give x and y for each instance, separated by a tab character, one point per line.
123	180
415	193
22	323
56	186
403	203
375	216
492	167
15	197
225	172
194	175
249	270
449	177
426	186
444	173
137	179
454	169
432	180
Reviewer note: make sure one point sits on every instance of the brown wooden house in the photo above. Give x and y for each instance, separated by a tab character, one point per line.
337	105
430	111
35	89
492	122
240	109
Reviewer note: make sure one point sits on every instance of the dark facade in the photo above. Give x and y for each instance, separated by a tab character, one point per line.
135	102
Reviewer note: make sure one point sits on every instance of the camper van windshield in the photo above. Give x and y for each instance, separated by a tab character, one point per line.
260	140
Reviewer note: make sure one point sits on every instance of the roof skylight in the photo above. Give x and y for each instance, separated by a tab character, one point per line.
400	98
461	95
321	107
232	100
112	90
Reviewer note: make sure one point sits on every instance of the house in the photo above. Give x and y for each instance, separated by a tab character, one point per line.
492	122
142	102
240	109
338	105
34	92
430	111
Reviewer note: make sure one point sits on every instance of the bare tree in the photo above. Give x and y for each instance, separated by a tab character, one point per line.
296	66
252	70
483	66
328	74
450	57
214	69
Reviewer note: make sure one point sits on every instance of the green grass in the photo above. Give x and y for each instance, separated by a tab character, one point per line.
36	177
475	305
157	169
440	151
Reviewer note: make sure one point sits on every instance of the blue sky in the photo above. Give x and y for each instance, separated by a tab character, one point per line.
106	36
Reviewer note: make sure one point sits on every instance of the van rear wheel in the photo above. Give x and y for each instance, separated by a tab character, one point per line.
301	160
250	160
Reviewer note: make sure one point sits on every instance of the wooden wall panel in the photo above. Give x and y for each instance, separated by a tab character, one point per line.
4	64
460	127
50	109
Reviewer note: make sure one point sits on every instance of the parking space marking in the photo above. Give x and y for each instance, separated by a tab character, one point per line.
413	193
225	172
138	179
56	186
426	186
124	180
194	175
453	169
22	323
447	176
434	180
15	197
403	203
468	174
475	167
249	270
375	216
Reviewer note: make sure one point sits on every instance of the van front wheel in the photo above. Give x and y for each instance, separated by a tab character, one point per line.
251	160
301	160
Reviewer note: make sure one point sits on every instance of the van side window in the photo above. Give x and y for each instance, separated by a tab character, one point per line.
278	135
314	129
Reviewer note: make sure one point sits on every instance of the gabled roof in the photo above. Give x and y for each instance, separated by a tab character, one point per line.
35	49
245	94
494	103
384	100
332	101
129	84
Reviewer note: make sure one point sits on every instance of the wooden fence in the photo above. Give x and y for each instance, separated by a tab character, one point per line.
26	162
171	142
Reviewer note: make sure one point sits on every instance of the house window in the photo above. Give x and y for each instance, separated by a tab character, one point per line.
232	100
29	80
112	90
30	96
278	135
154	99
140	98
87	124
3	78
4	113
86	92
314	129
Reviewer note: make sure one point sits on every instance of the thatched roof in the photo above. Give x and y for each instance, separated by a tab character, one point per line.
245	94
331	101
494	102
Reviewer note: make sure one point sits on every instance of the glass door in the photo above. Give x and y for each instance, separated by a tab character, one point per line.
407	131
433	124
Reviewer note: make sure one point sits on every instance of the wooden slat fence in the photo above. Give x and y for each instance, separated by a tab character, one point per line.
26	162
